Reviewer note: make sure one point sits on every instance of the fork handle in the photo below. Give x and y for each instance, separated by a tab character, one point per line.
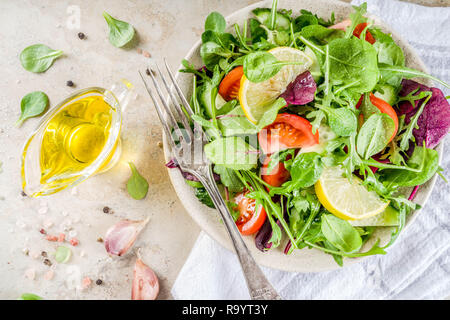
257	283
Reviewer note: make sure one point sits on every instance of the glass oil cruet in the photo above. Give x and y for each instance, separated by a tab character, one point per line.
76	139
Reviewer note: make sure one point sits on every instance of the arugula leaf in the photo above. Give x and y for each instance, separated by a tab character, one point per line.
356	17
408	73
423	159
120	32
137	186
33	104
38	57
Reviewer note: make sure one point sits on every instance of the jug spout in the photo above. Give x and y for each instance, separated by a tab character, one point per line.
120	94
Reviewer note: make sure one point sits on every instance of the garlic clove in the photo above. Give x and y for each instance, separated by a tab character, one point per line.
145	282
121	236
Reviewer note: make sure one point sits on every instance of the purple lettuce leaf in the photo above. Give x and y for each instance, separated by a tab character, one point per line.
300	91
434	122
172	164
264	235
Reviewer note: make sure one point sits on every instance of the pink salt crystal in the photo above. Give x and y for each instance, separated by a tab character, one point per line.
146	54
139	50
49	275
51	238
86	282
74	242
61	237
30	274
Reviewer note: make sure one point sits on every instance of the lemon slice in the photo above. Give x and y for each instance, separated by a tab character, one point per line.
254	97
347	200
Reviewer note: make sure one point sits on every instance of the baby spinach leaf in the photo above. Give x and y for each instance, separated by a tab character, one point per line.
340	233
260	66
120	32
353	63
232	152
38	57
341	120
215	22
212	53
29	296
229	178
137	186
204	197
235	122
374	134
33	104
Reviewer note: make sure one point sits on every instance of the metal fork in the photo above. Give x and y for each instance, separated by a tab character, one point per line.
188	152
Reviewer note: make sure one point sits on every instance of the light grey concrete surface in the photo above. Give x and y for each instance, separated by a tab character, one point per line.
166	29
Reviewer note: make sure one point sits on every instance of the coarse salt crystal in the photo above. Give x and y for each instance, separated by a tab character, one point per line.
73	234
49	275
43	210
64	213
74	191
82	253
47	224
86	282
30	274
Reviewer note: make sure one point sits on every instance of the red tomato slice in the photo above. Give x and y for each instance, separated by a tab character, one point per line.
249	221
384	107
287	131
277	176
229	87
359	29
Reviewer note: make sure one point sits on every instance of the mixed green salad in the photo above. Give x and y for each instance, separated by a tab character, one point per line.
317	133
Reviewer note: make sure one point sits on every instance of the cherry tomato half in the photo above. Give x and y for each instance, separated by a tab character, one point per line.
229	87
287	131
249	221
359	29
277	176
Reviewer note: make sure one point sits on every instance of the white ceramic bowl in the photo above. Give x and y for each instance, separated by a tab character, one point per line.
304	260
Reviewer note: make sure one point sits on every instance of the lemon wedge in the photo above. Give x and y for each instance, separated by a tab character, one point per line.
254	97
347	200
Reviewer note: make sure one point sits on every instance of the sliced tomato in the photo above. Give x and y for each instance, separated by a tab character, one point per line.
229	87
384	107
277	176
249	221
287	131
359	29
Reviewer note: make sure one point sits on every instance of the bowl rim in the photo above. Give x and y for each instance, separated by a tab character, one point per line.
175	175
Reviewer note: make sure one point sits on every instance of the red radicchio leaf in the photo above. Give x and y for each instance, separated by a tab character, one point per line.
145	282
434	122
172	164
264	235
121	236
301	90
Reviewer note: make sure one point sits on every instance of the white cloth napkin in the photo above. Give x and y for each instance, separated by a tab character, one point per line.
417	267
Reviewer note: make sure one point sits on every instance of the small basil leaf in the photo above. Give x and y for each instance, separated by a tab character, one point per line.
340	233
32	105
137	186
38	57
120	32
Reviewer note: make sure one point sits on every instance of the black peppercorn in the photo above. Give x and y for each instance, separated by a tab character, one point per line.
106	209
98	282
69	83
81	35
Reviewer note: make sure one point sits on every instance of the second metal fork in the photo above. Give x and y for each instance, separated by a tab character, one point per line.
187	147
